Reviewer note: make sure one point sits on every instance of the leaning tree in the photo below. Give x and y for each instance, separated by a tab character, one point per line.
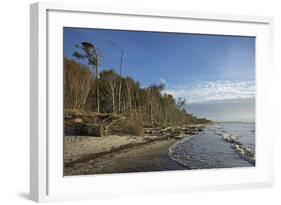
88	51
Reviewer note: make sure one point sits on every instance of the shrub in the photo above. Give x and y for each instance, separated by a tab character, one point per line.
91	129
83	129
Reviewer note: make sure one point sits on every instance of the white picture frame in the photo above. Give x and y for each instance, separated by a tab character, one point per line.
46	176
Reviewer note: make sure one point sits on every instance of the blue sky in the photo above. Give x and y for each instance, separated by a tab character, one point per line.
203	69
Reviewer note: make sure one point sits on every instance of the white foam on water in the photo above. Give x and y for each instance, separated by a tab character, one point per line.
193	156
174	155
245	152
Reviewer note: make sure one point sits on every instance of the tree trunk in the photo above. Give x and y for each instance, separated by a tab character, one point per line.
119	95
113	102
97	82
120	83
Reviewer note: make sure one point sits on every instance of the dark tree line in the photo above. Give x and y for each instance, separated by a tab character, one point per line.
85	88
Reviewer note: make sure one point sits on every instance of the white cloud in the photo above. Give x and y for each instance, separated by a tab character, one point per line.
213	91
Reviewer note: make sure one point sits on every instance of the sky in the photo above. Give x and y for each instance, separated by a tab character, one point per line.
215	74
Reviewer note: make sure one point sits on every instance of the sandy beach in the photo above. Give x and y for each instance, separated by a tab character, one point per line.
120	154
148	157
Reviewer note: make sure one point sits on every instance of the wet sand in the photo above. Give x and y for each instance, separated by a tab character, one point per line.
143	158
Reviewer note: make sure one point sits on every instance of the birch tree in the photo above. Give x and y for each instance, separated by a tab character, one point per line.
121	50
77	85
88	51
109	81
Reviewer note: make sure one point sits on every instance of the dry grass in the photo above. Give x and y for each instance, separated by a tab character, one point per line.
125	126
85	123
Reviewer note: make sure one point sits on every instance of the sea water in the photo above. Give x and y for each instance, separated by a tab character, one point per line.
209	150
244	132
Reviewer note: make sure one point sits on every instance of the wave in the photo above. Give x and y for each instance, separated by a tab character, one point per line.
207	150
177	156
243	151
218	127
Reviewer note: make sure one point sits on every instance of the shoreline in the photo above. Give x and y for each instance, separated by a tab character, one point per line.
144	158
92	155
147	153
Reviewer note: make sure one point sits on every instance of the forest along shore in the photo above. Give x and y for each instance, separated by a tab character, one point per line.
100	147
106	112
